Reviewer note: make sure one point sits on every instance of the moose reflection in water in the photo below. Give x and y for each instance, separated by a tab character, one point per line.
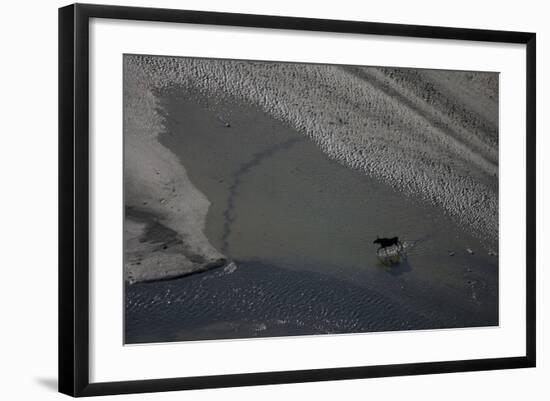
390	251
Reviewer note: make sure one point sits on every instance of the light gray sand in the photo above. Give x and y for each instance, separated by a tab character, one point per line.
158	193
421	132
426	133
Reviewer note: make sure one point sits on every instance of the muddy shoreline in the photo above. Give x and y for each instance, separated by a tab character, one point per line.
164	213
431	134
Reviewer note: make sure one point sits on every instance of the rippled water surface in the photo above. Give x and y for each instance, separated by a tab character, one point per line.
260	300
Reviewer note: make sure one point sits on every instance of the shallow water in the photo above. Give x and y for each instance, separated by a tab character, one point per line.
258	300
300	228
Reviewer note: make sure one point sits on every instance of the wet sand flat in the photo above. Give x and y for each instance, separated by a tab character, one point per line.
430	134
161	206
300	227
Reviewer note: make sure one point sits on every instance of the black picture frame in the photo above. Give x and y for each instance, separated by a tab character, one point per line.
74	197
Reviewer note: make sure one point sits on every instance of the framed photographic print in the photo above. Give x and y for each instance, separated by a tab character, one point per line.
250	199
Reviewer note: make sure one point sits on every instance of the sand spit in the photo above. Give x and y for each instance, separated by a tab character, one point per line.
165	214
430	134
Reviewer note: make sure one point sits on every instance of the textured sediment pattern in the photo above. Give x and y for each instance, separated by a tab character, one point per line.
431	134
164	213
266	301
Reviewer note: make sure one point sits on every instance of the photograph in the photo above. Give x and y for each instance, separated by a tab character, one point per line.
266	201
269	198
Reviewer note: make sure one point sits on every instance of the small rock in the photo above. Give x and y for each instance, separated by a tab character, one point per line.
451	254
469	251
162	200
227	125
492	253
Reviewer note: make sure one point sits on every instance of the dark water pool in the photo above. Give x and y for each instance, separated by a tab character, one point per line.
258	300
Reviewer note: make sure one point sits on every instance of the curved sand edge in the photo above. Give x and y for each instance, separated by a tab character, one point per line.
427	133
164	213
